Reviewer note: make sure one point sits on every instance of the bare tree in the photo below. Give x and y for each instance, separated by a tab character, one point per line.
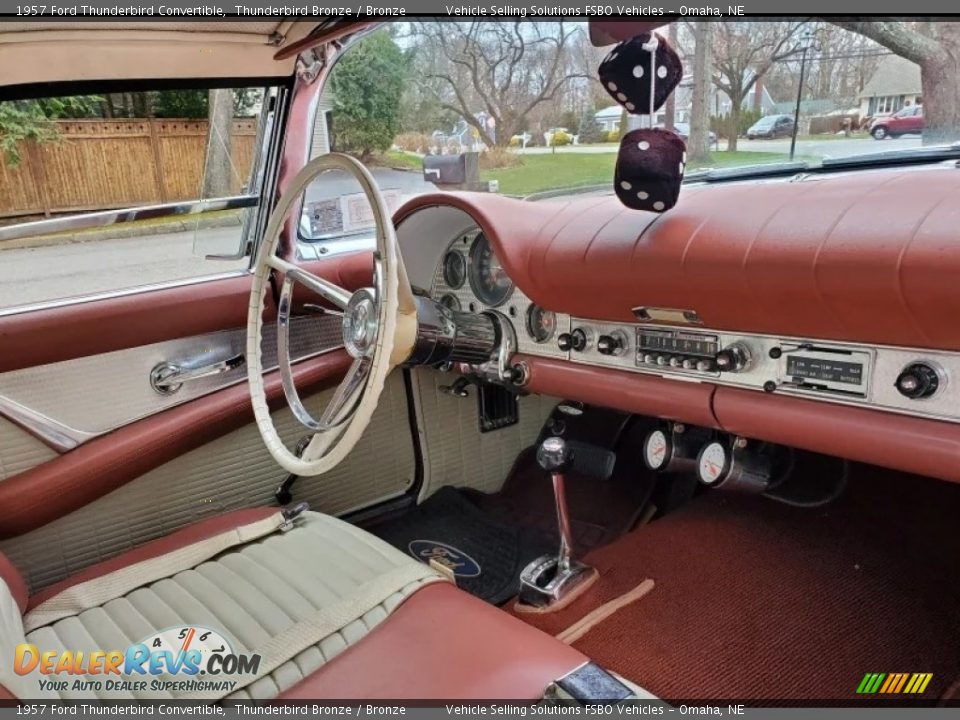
935	47
746	51
504	68
670	107
218	168
698	143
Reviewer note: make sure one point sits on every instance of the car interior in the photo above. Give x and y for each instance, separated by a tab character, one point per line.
491	449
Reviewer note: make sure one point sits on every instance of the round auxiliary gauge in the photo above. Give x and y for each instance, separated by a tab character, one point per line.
449	300
713	463
541	324
454	269
488	279
656	450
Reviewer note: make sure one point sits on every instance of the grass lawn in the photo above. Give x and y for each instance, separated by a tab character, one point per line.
400	160
562	170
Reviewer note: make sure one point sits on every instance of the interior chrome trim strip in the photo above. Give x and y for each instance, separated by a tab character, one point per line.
106	218
882	364
57	435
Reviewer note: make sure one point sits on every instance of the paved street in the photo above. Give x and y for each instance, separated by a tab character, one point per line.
819	148
832	147
39	274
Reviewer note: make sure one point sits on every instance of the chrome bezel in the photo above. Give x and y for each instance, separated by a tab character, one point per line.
477	243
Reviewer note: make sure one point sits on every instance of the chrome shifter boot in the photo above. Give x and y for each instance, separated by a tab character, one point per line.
551	579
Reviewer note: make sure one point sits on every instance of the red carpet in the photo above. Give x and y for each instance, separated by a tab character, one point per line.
758	600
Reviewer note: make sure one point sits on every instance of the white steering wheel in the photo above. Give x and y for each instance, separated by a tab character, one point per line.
379	329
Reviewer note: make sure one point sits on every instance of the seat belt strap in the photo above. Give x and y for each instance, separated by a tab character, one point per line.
322	623
94	593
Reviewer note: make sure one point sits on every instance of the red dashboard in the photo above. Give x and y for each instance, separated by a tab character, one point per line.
867	258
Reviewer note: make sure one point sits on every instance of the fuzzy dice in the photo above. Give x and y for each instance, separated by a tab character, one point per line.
625	73
650	166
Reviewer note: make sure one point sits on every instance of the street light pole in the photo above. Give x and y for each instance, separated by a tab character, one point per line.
807	43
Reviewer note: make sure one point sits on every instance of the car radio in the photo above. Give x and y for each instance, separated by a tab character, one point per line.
677	349
805	366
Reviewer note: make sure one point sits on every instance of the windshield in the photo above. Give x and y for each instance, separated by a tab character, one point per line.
448	105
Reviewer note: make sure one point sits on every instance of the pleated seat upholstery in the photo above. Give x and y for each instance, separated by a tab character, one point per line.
254	592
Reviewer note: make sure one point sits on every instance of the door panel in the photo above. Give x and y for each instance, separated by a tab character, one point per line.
71	393
231	472
78	379
19	450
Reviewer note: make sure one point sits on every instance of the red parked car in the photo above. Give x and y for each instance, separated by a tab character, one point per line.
902	122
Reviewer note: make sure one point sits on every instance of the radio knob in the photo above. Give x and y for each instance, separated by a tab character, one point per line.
648	359
612	344
918	381
578	339
675	361
564	341
689	364
735	358
661	359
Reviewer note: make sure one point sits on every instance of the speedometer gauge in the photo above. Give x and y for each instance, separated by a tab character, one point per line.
541	324
454	270
488	280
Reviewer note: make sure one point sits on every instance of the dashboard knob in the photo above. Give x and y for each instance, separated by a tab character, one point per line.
564	341
578	339
675	361
705	365
613	344
735	358
661	359
917	381
689	364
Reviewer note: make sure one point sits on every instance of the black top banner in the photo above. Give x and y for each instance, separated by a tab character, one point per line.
400	9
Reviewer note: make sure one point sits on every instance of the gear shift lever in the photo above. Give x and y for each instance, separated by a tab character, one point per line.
555	457
552	578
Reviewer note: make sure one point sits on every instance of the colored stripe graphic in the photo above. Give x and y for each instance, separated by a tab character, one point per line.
894	683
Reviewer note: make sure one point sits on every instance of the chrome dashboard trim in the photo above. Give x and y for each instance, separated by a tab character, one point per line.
883	364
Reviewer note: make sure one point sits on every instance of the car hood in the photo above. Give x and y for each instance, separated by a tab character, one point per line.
150	49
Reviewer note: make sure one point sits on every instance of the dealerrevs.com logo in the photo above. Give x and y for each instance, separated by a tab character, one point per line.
178	660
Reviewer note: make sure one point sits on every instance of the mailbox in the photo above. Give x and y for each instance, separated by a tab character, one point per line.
454	172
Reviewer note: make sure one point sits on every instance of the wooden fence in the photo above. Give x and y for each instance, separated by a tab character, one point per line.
104	164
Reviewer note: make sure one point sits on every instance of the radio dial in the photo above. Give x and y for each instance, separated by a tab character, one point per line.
735	358
579	339
612	344
918	381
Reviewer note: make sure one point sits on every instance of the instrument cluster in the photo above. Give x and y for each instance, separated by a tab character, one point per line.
470	278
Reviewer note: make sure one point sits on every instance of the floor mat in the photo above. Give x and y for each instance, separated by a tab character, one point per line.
485	555
758	600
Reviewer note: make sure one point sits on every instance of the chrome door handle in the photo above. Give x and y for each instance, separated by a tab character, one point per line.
166	378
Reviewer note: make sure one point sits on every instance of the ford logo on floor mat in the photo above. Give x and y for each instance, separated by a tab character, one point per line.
457	561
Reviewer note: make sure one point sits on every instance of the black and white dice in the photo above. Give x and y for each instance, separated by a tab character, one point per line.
650	167
625	73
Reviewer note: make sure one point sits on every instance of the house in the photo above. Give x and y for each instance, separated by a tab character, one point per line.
895	85
323	124
720	102
609	118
